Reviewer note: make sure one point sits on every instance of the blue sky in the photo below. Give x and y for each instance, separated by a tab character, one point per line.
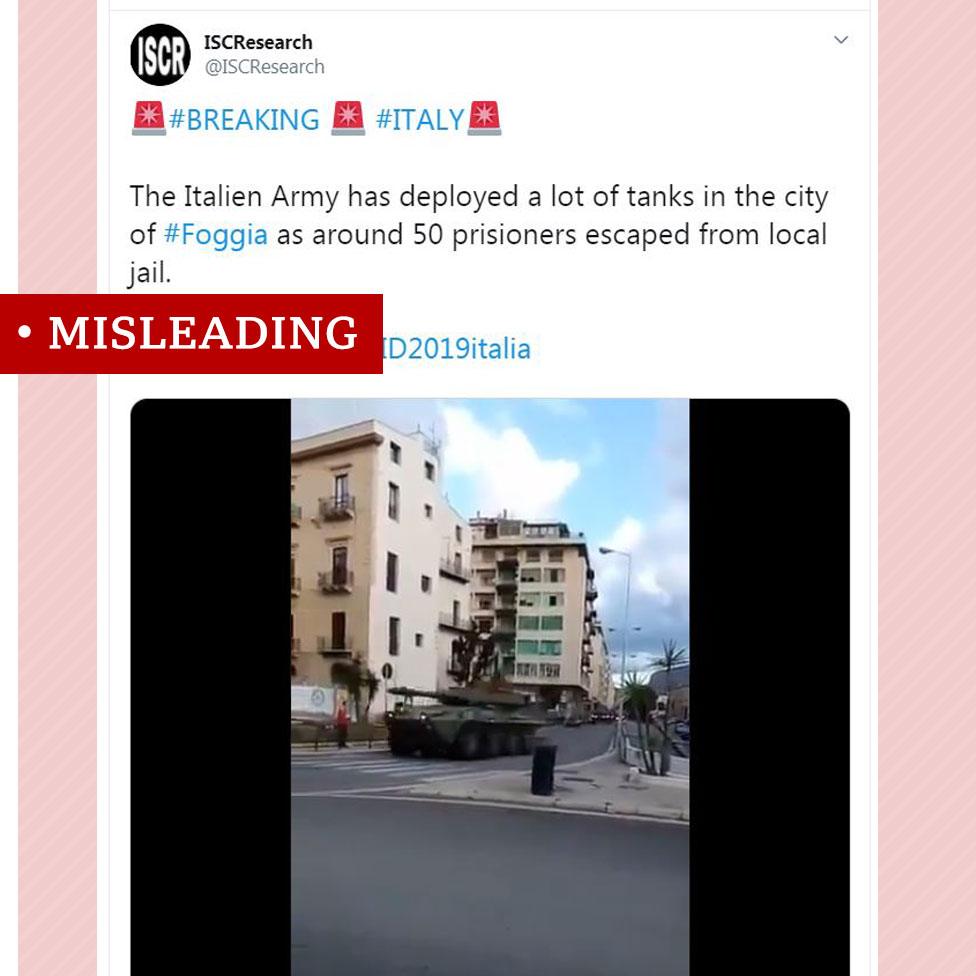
616	470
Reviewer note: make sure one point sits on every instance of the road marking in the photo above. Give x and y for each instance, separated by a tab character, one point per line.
355	767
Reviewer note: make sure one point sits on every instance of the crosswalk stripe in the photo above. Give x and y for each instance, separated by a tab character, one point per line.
390	770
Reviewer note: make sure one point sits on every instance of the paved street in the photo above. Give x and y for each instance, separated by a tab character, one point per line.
357	769
389	886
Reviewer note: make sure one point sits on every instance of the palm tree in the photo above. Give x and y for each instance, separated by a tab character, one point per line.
672	656
349	675
356	678
372	685
638	702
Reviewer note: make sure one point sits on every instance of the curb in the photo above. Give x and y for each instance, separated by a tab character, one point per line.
606	809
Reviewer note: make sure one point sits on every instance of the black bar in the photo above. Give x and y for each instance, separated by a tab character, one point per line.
210	686
770	633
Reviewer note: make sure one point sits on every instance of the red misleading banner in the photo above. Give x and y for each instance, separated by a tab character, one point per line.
191	333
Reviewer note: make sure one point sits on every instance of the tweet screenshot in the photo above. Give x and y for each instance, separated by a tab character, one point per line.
465	387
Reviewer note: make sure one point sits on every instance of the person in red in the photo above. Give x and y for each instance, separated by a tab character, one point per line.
342	725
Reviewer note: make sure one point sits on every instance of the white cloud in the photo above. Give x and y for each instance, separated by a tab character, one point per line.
564	409
659	593
504	467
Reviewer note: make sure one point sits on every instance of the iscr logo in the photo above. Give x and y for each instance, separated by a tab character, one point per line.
159	54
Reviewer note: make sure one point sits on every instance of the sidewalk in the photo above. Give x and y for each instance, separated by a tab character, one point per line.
601	786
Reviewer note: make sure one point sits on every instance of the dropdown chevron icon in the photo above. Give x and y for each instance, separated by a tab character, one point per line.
840	40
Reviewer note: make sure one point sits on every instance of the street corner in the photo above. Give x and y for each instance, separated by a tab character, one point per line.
602	787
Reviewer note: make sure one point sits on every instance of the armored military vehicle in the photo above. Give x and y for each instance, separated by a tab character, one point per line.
466	723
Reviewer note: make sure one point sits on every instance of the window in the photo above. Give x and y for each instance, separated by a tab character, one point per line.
555	599
555	555
394	636
528	599
555	575
549	670
485	625
429	470
551	648
552	623
418	640
533	575
458	568
394	503
341	489
425	584
338	631
394	452
528	623
456	613
340	565
485	603
457	533
525	669
429	511
531	555
392	568
527	647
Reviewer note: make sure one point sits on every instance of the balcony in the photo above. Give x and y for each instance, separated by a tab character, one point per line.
327	647
504	560
338	581
504	630
337	507
296	514
591	591
454	570
506	581
505	608
296	585
449	622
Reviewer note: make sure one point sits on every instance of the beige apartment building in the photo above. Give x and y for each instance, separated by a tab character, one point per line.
601	673
534	590
379	562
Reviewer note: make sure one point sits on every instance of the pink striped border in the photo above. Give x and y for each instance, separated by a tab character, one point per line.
927	481
57	486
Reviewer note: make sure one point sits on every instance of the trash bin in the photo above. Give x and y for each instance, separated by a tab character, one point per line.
543	769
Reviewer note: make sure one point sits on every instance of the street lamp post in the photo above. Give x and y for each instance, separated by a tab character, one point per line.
606	551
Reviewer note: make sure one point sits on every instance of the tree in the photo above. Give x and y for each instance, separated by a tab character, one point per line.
371	684
672	656
639	700
356	679
472	657
349	675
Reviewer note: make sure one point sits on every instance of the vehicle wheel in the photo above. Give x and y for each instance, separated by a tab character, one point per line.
468	745
495	744
398	747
